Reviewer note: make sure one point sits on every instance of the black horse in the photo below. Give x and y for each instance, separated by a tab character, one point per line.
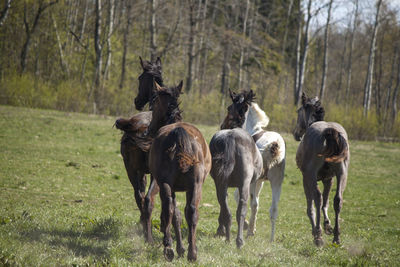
135	144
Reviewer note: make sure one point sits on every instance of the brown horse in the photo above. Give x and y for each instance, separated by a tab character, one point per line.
179	160
134	143
323	153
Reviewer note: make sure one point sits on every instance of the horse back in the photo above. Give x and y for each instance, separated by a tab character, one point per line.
234	154
179	149
323	144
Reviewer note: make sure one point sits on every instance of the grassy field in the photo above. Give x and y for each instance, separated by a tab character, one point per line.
65	199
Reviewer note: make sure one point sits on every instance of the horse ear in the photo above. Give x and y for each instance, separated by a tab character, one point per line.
179	88
158	61
141	62
231	94
303	99
157	86
250	96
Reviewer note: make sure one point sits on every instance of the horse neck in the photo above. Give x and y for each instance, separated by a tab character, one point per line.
171	117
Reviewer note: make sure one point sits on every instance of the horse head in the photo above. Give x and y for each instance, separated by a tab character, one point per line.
237	110
165	107
152	71
309	112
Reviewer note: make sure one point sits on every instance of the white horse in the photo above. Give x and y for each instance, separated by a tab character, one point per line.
250	117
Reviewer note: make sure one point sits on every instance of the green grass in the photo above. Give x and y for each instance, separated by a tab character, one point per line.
65	199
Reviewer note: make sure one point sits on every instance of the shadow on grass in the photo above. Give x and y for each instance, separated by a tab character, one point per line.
85	238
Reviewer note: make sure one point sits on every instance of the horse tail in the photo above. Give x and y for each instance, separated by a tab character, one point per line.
180	147
336	148
274	150
223	156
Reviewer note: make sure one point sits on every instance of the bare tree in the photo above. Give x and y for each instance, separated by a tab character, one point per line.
242	47
371	59
190	53
395	94
351	48
303	63
325	61
125	42
4	12
152	29
110	31
30	30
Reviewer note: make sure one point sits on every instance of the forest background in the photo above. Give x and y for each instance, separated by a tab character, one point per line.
83	56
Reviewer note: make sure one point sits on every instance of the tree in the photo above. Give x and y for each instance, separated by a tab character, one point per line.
30	30
4	12
371	59
325	61
300	72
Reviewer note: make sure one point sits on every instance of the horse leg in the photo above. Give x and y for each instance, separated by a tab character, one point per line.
138	182
338	200
255	189
325	202
148	209
177	221
275	175
140	193
236	196
167	210
313	194
225	217
193	197
241	212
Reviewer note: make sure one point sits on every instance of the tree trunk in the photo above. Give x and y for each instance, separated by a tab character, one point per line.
242	48
395	94
4	12
63	64
371	59
98	47
325	61
111	10
125	42
350	62
298	53
30	31
190	53
303	63
152	29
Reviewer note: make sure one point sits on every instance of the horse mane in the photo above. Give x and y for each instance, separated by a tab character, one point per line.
258	115
174	113
319	109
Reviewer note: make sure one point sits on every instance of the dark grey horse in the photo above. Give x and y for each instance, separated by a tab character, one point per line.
322	154
236	162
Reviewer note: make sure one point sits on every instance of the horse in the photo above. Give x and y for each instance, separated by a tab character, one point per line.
249	116
236	162
134	143
179	160
322	154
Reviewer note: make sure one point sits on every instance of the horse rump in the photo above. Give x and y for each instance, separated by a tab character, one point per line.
222	152
179	146
336	149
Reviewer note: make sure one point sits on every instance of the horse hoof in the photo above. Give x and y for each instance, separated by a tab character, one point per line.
250	234
180	251
328	229
220	231
318	242
239	243
336	241
168	254
192	256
